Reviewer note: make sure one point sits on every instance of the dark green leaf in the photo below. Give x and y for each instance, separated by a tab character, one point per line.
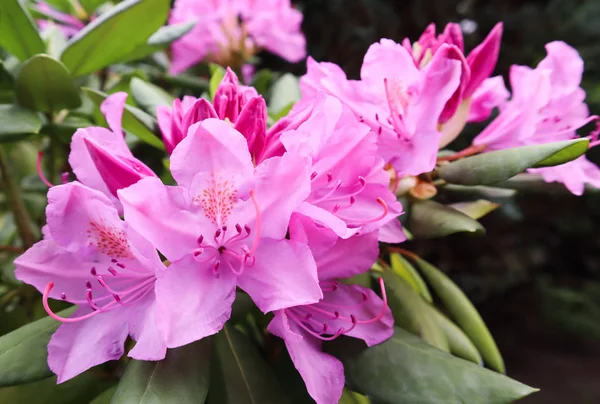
18	33
494	167
24	352
429	219
160	40
17	123
91	5
412	312
405	269
81	389
112	36
460	345
148	96
406	370
475	209
464	313
182	377
135	121
105	397
44	84
241	376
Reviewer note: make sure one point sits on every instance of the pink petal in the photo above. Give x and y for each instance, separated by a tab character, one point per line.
252	124
492	93
191	302
149	344
322	373
112	109
284	275
387	59
164	116
76	347
223	149
482	60
565	63
452	52
325	218
392	232
453	36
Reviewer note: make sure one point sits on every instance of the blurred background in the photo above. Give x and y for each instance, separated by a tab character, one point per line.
536	274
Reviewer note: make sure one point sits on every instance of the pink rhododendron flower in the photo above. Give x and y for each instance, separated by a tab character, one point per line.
100	157
91	258
240	105
229	32
399	102
349	310
223	226
547	106
349	187
68	24
492	93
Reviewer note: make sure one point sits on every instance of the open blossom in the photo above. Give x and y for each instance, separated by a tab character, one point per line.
223	226
349	310
101	159
241	105
229	32
547	105
349	186
91	258
67	23
401	103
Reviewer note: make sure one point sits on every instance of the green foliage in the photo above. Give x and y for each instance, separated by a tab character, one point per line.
18	34
431	219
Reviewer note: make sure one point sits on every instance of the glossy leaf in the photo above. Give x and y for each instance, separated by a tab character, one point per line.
24	352
182	377
475	209
18	33
18	123
405	269
458	342
112	36
464	313
406	370
45	85
412	312
494	167
284	93
148	96
105	397
429	219
216	75
135	121
160	40
350	397
240	374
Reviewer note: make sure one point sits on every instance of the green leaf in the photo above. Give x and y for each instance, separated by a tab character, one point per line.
148	96
135	121
81	389
463	192
17	123
217	74
55	40
160	40
285	91
494	167
460	345
18	33
429	219
112	36
464	313
350	397
405	269
105	397
182	377
91	5
240	374
475	209
24	352
45	85
406	370
412	312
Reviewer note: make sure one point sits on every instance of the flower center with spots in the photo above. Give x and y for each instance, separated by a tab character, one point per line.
109	240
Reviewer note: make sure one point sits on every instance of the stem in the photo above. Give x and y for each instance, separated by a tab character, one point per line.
404	252
11	249
469	151
13	193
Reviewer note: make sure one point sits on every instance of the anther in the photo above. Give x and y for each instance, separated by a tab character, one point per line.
88	285
247	228
63	296
93	271
313	175
64	177
200	239
112	271
329	177
238	228
114	261
121	265
117	298
198	251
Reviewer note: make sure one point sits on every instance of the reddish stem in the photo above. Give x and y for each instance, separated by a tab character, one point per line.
469	151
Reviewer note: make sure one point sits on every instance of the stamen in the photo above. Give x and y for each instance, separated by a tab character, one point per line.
200	239
329	177
64	177
120	265
93	271
38	167
337	186
112	271
383	308
313	175
55	316
373	220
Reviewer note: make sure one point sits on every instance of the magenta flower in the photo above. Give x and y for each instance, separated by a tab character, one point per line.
91	258
492	93
238	104
223	226
68	24
100	157
349	187
229	32
344	310
399	102
547	106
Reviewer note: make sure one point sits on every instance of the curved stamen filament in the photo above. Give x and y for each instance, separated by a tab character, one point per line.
55	316
373	220
38	167
383	308
300	323
332	190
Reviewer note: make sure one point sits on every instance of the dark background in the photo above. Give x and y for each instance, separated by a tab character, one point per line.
535	276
